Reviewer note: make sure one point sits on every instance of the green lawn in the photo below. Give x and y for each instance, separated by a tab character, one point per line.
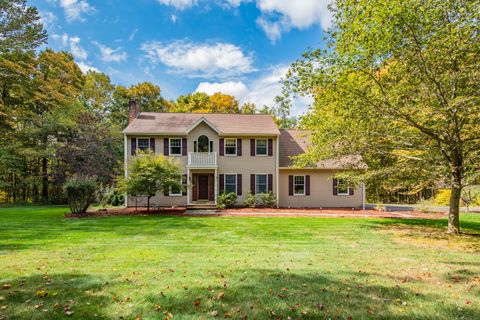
257	268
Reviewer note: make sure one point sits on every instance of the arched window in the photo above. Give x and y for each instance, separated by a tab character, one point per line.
203	144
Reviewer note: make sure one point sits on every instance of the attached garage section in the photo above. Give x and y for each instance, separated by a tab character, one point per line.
316	188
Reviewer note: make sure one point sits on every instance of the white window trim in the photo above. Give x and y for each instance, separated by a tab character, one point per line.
266	182
225	181
343	193
209	143
170	194
225	147
266	148
304	185
137	144
170	147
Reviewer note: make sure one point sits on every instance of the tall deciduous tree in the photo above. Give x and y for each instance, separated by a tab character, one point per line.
399	84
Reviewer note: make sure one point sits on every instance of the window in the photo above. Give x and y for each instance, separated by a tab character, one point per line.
203	144
261	147
176	191
231	183
343	187
260	183
143	144
176	146
299	185
231	147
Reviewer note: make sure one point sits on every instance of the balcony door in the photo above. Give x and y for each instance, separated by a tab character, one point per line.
203	144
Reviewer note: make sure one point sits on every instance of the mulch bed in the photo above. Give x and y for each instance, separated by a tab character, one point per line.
129	212
260	212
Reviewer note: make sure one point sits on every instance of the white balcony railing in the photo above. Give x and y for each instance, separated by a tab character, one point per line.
202	159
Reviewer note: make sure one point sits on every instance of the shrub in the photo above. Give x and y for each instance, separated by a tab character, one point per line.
80	193
442	197
111	196
250	200
268	199
425	206
226	200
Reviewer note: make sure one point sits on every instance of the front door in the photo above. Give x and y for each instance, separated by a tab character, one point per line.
203	187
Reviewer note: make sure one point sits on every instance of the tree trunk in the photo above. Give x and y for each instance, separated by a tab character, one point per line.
148	204
454	212
44	179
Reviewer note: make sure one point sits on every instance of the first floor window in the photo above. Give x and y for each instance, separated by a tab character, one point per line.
176	190
343	187
299	185
231	147
143	144
260	183
176	146
261	147
231	183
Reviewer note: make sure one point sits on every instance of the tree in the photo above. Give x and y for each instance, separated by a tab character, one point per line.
281	112
249	108
149	174
20	27
222	103
191	102
97	92
398	84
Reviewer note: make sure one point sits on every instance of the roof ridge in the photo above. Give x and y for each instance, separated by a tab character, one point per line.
209	113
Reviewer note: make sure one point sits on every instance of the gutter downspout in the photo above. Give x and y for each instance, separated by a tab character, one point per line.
125	157
363	195
277	168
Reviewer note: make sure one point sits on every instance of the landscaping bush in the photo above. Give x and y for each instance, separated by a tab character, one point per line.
111	196
226	200
80	193
442	197
250	200
268	199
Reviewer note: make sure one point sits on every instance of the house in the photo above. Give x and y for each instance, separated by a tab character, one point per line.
239	153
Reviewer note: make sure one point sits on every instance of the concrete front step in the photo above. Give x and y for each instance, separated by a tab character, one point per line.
201	207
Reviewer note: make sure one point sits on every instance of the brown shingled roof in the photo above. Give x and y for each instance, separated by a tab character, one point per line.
180	123
294	142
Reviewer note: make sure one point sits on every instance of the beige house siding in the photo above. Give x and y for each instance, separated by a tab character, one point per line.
321	191
244	164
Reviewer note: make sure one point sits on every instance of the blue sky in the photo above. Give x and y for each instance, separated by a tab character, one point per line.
239	47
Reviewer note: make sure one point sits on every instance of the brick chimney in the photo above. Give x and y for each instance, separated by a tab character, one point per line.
132	110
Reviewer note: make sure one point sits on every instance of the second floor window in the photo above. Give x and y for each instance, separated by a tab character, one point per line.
231	183
176	146
231	147
260	183
261	147
143	144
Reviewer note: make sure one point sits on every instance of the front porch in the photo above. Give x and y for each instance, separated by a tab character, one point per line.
202	188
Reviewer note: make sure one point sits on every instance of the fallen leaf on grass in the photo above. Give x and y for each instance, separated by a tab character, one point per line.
214	313
220	295
6	286
42	293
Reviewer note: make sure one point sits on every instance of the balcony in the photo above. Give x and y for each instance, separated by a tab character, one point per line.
202	159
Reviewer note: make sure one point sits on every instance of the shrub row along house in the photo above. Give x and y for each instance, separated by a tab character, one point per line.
241	153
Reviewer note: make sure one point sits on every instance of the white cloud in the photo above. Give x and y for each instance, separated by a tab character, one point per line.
237	89
179	4
281	15
261	91
132	35
110	54
48	19
74	9
72	44
173	18
86	67
218	60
